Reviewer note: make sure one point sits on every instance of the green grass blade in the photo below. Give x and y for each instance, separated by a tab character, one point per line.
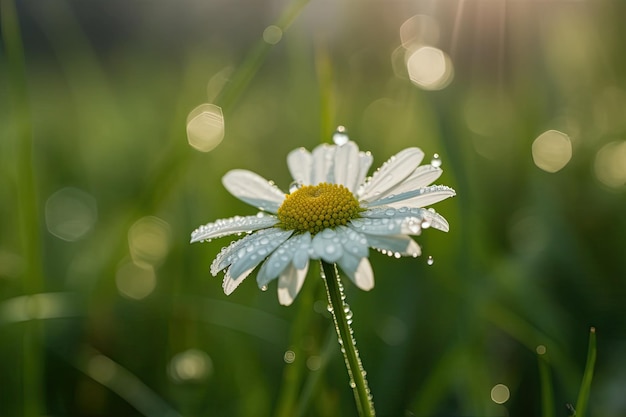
545	382
27	207
585	386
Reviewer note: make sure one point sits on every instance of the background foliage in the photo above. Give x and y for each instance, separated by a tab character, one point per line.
107	310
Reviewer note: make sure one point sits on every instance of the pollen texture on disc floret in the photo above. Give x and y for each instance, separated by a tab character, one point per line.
314	208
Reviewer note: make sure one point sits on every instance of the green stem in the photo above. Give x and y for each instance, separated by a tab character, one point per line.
27	209
340	311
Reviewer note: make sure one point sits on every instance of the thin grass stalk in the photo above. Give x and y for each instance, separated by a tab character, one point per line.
585	385
27	209
293	372
545	383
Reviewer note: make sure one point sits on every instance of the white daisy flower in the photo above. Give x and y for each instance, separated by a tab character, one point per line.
333	213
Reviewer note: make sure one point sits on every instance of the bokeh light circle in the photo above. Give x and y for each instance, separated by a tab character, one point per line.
205	127
552	150
610	164
429	68
500	394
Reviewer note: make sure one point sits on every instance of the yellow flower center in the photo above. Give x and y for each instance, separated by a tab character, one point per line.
314	208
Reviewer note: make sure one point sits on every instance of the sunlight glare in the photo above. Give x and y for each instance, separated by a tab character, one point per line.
610	164
272	34
289	356
217	82
205	127
500	394
134	281
149	241
419	30
429	68
192	365
552	150
70	214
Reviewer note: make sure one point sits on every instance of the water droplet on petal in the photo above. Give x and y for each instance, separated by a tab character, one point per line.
340	137
414	226
430	260
352	384
436	161
294	186
264	288
425	224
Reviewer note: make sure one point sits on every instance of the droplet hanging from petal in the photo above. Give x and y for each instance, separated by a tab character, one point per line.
340	137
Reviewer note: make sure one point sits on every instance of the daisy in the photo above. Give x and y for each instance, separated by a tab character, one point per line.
333	212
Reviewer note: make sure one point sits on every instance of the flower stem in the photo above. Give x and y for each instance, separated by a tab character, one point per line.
342	317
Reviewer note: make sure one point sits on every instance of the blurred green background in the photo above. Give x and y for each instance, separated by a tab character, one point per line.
106	310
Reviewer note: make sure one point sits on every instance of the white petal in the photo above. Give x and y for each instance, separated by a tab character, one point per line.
364	276
416	198
352	241
348	264
347	166
435	220
365	162
279	259
301	256
327	246
391	226
299	162
421	177
230	284
394	171
237	249
289	284
322	167
398	244
253	189
252	254
225	227
421	216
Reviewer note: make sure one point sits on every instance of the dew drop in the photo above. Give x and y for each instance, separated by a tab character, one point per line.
414	226
340	137
436	161
294	186
425	224
352	384
264	288
430	260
